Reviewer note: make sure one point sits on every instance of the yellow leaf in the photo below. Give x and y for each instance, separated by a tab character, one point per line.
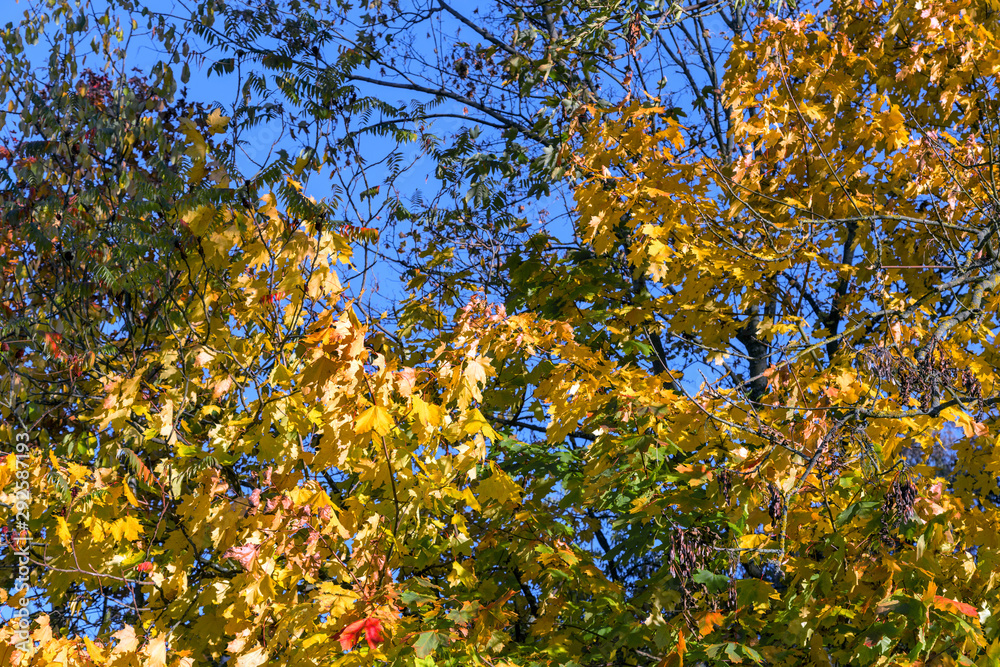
254	658
76	472
127	641
128	528
425	412
754	541
132	528
132	500
62	531
335	599
94	651
217	122
167	419
477	423
498	488
375	418
476	370
470	499
6	469
157	652
198	146
198	221
462	575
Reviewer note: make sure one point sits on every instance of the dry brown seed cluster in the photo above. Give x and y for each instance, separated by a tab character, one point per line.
726	484
691	549
923	378
897	506
776	504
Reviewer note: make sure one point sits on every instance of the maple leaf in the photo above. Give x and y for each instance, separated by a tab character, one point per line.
254	658
709	622
372	629
407	380
222	386
157	652
955	606
375	418
127	641
245	555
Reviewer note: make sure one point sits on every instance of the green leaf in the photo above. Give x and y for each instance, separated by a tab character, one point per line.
715	582
61	486
416	597
465	614
859	509
426	644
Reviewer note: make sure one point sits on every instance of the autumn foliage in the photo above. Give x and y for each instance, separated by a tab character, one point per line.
744	412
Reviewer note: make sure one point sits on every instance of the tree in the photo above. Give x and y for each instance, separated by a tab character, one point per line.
233	451
707	426
846	258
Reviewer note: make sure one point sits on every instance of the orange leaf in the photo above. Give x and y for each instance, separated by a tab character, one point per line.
955	606
708	623
676	657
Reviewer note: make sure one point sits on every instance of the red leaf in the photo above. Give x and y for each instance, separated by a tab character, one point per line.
955	606
372	627
53	340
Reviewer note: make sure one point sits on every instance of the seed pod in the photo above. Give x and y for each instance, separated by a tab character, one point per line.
726	484
776	504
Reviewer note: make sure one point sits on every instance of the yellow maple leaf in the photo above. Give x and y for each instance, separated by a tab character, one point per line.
375	418
127	641
94	652
128	528
157	652
254	658
217	122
